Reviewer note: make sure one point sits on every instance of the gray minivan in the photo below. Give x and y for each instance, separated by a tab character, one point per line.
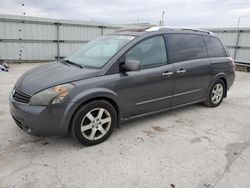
127	74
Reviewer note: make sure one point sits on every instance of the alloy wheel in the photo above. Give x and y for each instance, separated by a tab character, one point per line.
95	124
217	93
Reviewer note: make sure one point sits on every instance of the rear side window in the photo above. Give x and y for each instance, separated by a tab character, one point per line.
214	47
185	47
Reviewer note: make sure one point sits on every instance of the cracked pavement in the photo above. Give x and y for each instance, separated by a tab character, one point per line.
194	146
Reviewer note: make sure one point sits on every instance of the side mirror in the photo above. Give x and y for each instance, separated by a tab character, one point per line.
131	65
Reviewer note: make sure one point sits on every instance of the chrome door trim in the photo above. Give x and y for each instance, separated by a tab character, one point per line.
167	97
187	92
153	100
162	110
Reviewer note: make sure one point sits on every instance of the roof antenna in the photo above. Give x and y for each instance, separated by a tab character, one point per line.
162	18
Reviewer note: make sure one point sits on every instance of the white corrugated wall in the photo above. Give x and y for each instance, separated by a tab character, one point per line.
237	42
37	39
25	38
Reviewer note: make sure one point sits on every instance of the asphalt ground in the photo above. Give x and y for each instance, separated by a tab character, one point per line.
195	146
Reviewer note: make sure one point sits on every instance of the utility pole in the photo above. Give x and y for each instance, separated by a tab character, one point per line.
162	18
20	34
237	38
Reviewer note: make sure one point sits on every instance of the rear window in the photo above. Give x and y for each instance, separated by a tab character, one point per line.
185	47
214	47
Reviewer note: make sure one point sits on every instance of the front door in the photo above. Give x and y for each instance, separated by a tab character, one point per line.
150	88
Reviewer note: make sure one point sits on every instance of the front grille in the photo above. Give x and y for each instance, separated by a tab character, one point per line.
21	97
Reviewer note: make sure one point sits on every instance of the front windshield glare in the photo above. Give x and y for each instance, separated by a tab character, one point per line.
97	52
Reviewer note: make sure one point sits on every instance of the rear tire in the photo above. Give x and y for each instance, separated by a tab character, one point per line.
216	94
94	122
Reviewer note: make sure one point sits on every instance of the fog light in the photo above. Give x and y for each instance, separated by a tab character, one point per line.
27	129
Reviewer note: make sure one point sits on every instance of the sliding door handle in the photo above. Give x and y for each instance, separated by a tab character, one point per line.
181	71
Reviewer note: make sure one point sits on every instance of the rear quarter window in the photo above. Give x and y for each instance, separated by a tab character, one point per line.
214	47
183	47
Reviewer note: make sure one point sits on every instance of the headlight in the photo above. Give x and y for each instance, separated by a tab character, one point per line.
52	95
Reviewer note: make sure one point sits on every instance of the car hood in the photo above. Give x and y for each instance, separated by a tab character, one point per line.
51	74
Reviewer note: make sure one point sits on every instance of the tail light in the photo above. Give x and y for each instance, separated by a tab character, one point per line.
232	62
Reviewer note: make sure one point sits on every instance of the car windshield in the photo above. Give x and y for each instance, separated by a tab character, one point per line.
98	52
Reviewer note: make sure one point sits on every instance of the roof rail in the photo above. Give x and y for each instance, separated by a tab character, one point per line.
198	30
157	28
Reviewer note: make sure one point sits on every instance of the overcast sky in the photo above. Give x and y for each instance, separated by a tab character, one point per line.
183	13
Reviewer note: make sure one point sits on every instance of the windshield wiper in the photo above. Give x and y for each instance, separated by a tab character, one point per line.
72	63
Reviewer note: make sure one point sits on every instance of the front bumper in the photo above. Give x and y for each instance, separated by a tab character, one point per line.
39	120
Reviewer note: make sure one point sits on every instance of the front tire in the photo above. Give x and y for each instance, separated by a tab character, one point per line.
94	122
216	94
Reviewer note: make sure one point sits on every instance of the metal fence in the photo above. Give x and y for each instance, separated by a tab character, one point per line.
237	42
25	38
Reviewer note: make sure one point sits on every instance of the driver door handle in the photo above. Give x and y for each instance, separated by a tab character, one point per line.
167	73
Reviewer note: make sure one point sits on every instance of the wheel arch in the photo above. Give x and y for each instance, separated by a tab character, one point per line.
219	77
225	82
86	99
